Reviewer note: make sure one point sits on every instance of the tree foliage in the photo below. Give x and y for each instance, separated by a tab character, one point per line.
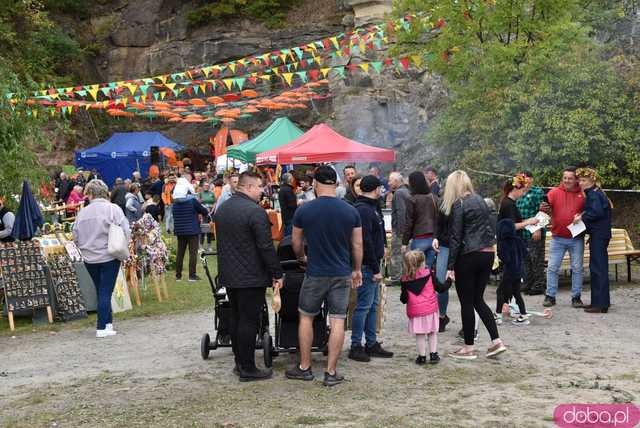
530	87
272	12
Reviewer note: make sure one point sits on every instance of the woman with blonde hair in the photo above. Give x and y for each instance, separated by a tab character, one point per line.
471	253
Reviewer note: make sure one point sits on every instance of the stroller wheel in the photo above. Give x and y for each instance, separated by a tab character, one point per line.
267	349
205	343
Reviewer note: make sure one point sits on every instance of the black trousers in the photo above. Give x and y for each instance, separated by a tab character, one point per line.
509	287
183	242
472	275
599	269
246	310
535	278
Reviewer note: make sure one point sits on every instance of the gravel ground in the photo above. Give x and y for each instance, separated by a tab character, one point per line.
151	374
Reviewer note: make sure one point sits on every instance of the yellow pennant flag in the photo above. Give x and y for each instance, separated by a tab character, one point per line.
338	53
132	88
143	98
206	71
232	66
324	72
35	113
275	70
266	77
312	46
171	86
203	88
94	93
162	95
362	46
228	83
124	101
334	40
365	67
283	57
417	60
163	79
288	77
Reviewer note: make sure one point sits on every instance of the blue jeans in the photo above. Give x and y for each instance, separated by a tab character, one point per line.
557	249
104	277
442	260
424	244
288	228
365	315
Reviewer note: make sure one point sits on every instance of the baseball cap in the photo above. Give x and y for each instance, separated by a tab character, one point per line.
369	183
324	174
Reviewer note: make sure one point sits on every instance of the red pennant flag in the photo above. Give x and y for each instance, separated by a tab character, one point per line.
405	63
252	79
388	61
326	43
346	51
303	63
314	74
189	90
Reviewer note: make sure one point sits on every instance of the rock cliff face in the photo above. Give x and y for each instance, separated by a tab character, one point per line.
148	37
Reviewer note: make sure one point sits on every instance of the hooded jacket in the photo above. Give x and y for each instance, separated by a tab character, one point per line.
512	250
373	234
565	205
418	294
597	214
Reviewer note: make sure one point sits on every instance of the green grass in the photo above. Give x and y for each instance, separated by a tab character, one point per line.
184	296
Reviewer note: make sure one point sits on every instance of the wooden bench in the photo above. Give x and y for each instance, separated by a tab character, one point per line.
620	251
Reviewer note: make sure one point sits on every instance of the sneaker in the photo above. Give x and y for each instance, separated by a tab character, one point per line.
549	301
377	351
434	358
576	302
105	333
357	353
443	324
297	373
498	319
109	326
521	320
178	278
194	278
461	355
496	349
332	379
255	375
421	360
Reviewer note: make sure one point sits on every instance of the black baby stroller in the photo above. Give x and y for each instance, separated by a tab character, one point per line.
222	317
286	321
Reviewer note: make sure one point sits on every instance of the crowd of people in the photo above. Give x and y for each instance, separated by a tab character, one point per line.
440	235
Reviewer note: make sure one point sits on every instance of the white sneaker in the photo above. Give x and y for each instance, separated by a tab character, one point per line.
109	327
105	333
521	320
498	319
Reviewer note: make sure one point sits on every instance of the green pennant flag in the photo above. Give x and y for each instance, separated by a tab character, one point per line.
377	66
340	70
310	61
377	43
319	44
155	96
196	88
303	76
148	81
137	98
176	92
355	50
239	82
289	67
113	85
82	93
298	52
105	91
143	89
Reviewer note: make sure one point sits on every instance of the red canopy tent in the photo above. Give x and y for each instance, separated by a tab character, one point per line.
323	144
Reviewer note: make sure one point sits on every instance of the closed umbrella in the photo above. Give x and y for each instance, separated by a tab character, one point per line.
28	217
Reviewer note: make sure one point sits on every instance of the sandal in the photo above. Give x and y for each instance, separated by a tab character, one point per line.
462	355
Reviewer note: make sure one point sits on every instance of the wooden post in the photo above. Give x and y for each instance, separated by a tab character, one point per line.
156	286
163	282
133	281
12	326
49	314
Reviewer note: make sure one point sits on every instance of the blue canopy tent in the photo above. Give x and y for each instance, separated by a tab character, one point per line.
123	153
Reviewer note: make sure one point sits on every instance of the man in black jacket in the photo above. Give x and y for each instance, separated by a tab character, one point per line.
373	237
288	203
247	265
118	194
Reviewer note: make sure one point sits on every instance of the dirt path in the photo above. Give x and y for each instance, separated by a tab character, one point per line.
151	373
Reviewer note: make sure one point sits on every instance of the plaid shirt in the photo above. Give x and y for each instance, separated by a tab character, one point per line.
529	205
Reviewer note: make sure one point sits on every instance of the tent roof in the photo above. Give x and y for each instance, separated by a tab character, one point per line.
133	142
279	133
323	144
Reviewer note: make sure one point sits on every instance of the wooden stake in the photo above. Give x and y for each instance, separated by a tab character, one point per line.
12	326
154	279
133	281
164	286
49	315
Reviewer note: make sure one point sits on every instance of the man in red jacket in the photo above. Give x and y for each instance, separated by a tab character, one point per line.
565	201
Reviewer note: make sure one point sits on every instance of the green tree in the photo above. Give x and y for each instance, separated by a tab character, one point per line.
529	88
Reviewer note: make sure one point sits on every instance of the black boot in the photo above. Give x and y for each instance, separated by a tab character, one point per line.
434	358
377	351
421	360
255	374
357	353
443	324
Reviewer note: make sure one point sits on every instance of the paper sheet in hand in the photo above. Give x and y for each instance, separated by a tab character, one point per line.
543	221
577	228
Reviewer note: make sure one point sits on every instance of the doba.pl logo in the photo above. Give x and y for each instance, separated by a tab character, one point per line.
596	415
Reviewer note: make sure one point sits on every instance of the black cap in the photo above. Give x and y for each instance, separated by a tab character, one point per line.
324	174
369	183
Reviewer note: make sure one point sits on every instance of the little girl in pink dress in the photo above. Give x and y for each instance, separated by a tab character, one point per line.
422	305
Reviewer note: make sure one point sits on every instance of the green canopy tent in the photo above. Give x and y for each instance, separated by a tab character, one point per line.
282	131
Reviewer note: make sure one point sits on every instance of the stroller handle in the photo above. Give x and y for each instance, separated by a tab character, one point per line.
208	253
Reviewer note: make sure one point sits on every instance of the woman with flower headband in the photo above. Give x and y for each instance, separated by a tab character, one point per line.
511	248
597	218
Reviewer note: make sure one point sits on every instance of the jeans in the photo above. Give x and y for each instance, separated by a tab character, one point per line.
288	228
183	242
104	277
168	218
559	246
246	313
472	275
365	315
442	260
424	244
